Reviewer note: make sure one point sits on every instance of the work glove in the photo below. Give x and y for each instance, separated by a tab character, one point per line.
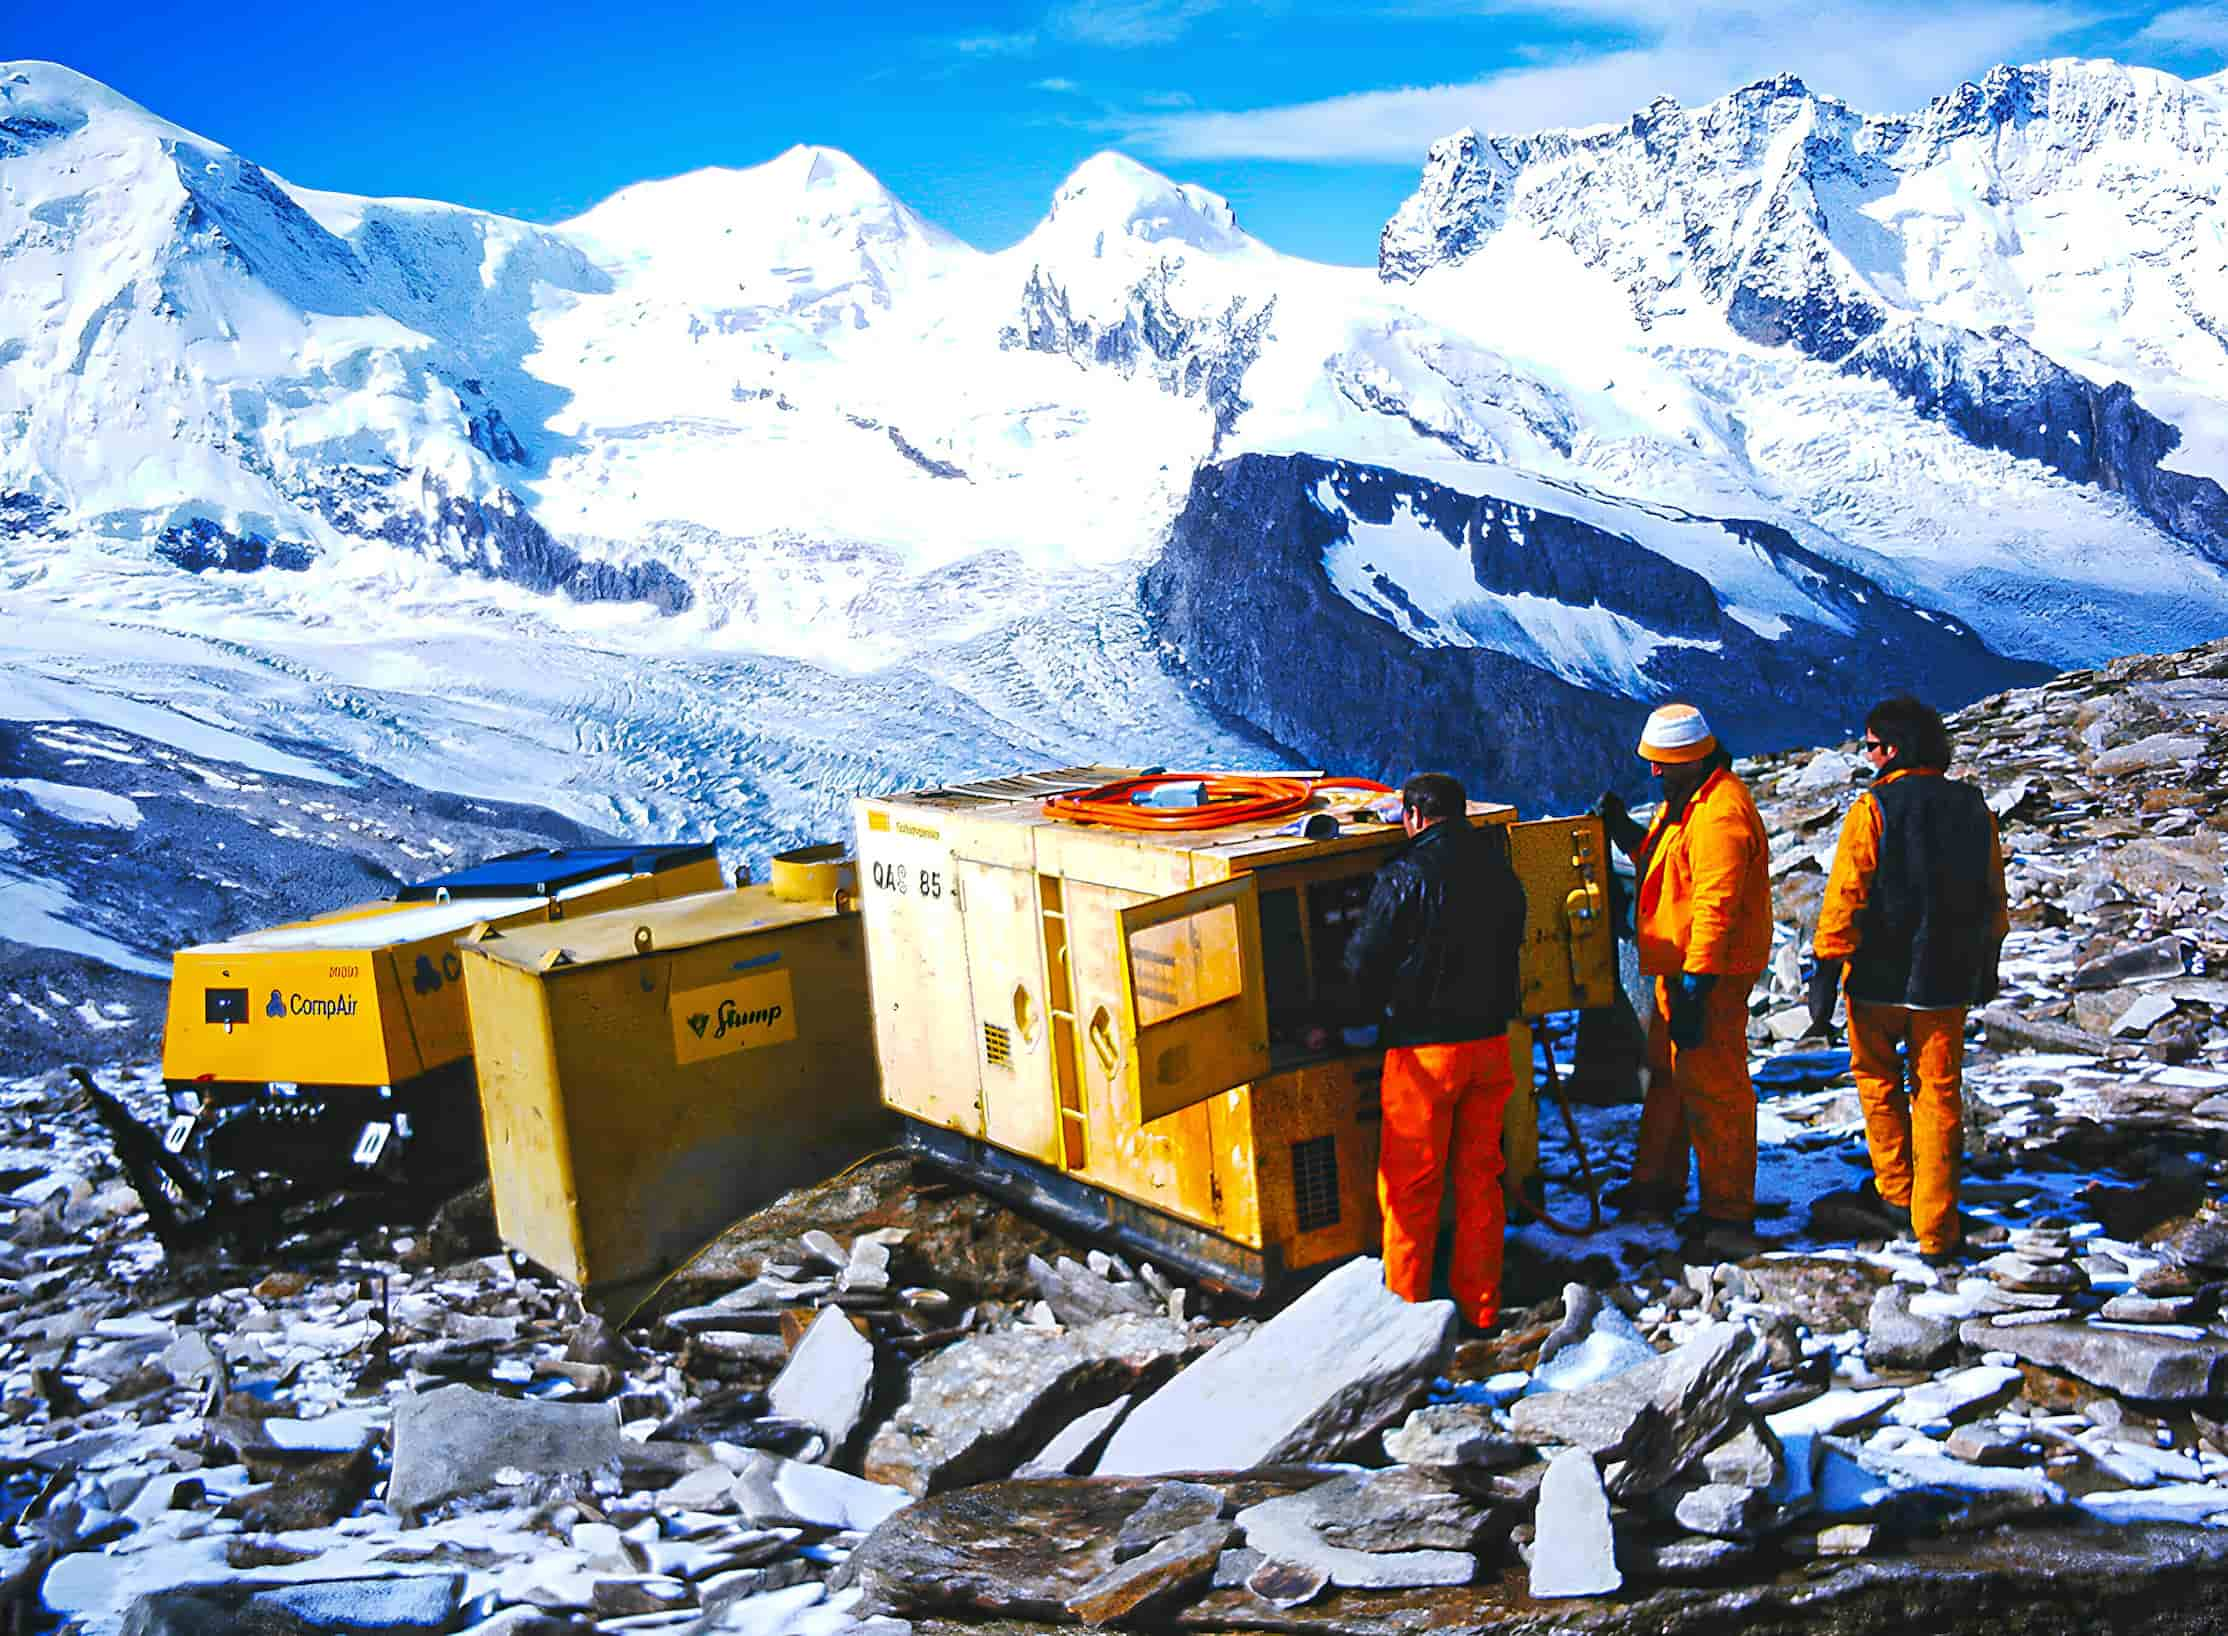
1687	992
1825	988
1617	822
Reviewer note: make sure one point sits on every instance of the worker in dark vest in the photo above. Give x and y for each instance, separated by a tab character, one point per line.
1913	924
1435	961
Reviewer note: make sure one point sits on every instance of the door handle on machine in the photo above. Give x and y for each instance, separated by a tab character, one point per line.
1103	1045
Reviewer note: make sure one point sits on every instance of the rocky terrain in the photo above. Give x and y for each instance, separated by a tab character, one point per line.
886	1403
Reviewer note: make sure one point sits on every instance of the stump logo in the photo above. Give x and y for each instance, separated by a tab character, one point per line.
740	1014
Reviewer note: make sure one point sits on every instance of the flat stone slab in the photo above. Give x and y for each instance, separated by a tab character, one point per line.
1921	1488
773	1492
1020	1549
1174	1565
1449	1435
306	1607
827	1380
454	1441
1289	1530
1956	1398
2133	1362
1399	1509
979	1408
1574	1551
1073	1450
1174	1507
1338	1365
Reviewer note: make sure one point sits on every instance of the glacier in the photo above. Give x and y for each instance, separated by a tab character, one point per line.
749	490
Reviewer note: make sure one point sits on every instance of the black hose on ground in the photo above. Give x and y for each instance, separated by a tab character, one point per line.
1546	1040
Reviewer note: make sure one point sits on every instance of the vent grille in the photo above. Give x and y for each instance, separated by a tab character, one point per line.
1315	1182
997	1046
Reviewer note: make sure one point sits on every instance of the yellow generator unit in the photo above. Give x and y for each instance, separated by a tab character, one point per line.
319	1050
1110	1025
649	1074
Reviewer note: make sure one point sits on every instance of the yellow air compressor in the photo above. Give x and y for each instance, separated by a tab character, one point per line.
1109	1024
317	1054
649	1074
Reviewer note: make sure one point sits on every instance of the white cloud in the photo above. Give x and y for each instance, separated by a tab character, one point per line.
1127	22
1884	56
2205	27
1057	85
995	45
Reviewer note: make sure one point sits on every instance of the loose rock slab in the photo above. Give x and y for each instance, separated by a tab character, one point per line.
1964	1395
1898	1338
1394	1510
773	1492
1016	1549
1448	1435
1073	1450
1338	1365
1176	1564
826	1383
2133	1363
421	1603
452	1442
979	1407
1289	1530
1574	1551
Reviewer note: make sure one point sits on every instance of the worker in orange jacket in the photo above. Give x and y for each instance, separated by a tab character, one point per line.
1703	923
1915	915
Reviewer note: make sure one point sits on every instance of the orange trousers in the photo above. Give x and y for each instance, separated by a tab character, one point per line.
1442	1102
1914	1124
1701	1100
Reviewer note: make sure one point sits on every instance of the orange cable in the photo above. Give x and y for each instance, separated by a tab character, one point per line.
1231	798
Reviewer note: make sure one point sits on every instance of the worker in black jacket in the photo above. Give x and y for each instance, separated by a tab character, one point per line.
1435	960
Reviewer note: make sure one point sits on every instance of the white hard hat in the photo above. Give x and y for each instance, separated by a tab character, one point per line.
1675	734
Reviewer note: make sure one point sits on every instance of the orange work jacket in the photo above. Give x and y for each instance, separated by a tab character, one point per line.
1706	897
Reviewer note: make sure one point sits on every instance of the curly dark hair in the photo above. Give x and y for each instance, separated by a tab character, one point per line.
1912	731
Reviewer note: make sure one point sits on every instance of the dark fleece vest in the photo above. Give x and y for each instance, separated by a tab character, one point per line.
1925	936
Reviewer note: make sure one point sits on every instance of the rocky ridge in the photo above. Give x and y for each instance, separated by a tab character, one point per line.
883	1403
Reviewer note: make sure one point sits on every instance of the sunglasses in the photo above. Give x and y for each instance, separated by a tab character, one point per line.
1874	744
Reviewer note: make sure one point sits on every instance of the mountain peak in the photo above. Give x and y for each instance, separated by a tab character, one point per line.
810	165
1111	193
804	195
46	97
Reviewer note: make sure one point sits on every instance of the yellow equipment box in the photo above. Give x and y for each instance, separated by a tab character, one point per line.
648	1075
372	995
318	1052
1110	1026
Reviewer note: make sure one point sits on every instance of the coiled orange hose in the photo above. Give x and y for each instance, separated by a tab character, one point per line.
1232	798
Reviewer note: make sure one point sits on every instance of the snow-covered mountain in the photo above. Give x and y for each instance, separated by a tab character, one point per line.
2037	265
748	489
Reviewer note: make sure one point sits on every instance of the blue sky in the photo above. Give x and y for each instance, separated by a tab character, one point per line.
1312	118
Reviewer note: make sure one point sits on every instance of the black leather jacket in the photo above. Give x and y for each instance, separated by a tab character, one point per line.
1435	956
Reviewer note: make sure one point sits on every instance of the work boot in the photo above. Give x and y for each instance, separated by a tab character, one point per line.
1897	1215
1714	1235
1642	1201
1858	1213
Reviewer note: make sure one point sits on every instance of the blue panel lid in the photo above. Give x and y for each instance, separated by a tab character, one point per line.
545	870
